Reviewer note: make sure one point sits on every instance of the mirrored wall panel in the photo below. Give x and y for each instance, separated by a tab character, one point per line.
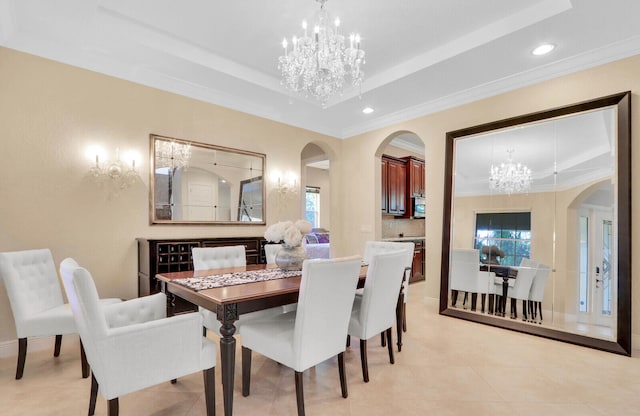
538	215
197	183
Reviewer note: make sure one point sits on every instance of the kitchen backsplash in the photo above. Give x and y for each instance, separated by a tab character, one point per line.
393	227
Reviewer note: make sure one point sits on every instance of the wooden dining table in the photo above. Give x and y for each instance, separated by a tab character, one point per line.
229	302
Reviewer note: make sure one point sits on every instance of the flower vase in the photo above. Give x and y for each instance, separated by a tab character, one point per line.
291	258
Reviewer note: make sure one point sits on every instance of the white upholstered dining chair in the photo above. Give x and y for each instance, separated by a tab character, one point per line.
377	247
35	295
465	276
537	292
522	286
205	258
270	251
133	345
374	312
313	333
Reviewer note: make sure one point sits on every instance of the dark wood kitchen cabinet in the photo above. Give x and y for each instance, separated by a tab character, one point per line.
394	186
417	268
415	176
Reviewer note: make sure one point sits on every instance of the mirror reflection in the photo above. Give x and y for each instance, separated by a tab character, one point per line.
202	183
534	226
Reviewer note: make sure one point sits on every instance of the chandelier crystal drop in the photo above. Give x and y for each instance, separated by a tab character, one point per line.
510	177
318	61
171	154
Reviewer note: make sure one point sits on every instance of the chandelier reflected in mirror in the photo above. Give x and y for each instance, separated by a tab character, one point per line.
172	154
510	177
316	64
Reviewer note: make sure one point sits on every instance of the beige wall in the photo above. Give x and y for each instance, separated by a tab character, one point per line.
362	172
49	113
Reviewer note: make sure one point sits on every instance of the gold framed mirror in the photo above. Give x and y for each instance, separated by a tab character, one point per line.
199	183
544	194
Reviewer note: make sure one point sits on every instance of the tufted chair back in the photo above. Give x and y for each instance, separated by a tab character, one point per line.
32	285
326	295
218	257
539	282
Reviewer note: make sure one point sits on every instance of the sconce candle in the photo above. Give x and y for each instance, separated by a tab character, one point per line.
114	172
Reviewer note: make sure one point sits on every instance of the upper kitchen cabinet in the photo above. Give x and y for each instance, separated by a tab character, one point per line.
394	186
415	176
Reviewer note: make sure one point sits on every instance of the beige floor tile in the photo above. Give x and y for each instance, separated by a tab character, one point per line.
447	367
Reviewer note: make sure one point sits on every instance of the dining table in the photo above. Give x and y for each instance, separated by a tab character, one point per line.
230	301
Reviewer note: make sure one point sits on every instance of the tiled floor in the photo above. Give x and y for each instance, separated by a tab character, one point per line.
447	367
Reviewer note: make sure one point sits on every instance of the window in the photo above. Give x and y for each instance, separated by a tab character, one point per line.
509	231
312	205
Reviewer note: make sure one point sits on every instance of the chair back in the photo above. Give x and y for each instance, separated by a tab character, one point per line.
464	269
87	312
524	280
205	258
32	285
539	283
381	290
326	295
376	247
270	251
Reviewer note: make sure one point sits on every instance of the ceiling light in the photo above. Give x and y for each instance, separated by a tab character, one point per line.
317	63
510	177
367	110
543	49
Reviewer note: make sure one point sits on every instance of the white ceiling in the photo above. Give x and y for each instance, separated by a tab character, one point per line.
422	55
562	153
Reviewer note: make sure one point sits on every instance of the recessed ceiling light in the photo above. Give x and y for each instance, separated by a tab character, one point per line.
543	49
367	110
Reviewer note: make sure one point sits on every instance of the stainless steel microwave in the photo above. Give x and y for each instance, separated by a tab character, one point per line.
418	203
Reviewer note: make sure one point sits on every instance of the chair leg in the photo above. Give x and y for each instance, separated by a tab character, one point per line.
404	317
56	348
113	407
343	377
524	310
210	390
483	300
454	298
540	309
246	371
383	343
299	393
363	359
389	336
22	357
514	308
348	341
83	361
93	395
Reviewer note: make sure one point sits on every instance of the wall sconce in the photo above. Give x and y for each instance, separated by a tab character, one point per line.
121	174
286	184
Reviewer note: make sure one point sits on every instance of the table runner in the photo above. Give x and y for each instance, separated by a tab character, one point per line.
235	278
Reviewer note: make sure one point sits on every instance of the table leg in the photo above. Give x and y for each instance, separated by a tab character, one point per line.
505	286
227	315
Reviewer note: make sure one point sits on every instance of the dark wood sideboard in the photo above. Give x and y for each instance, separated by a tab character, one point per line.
173	255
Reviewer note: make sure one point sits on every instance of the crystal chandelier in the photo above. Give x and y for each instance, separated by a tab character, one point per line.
316	65
171	154
510	177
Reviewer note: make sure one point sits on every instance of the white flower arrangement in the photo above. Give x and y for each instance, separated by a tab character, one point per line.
288	233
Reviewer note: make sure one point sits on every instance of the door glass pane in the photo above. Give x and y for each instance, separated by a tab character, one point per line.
583	296
606	268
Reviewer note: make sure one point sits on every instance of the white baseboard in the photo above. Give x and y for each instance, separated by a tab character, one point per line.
10	348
